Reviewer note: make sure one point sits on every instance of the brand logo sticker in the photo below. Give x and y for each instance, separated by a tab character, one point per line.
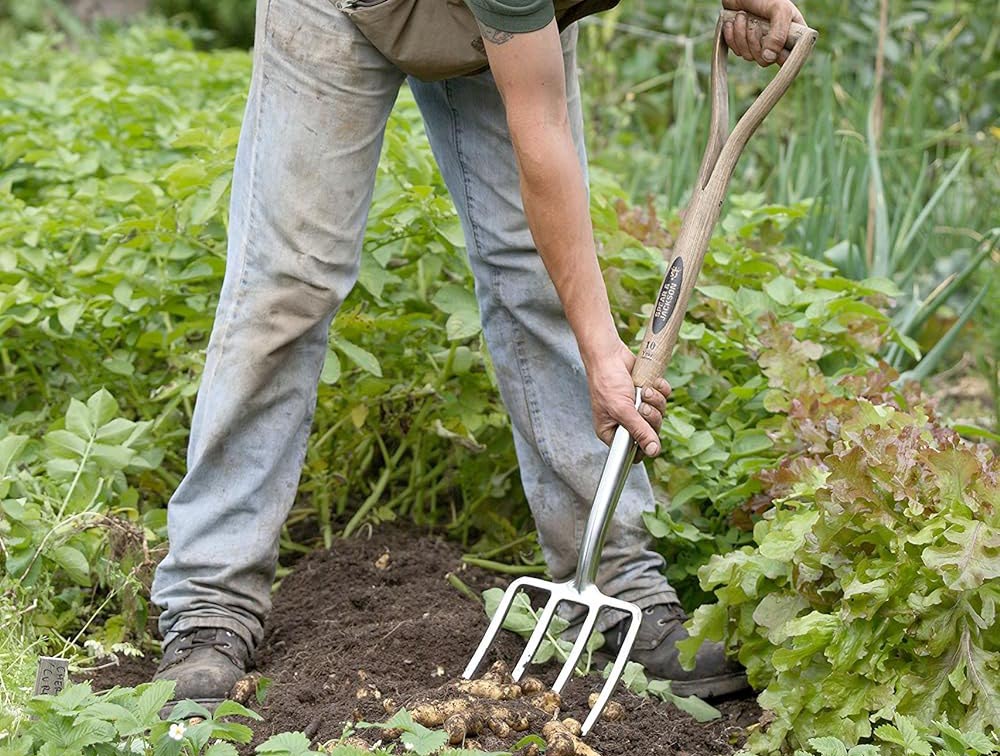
669	293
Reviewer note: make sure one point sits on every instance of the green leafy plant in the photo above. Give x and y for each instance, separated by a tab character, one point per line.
19	16
835	747
84	464
415	737
930	161
74	550
941	739
288	744
114	176
897	256
127	721
112	250
870	592
191	726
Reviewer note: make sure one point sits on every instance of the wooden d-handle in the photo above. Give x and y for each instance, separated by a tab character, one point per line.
721	154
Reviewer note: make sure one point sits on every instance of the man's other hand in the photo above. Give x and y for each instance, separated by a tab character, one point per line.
748	41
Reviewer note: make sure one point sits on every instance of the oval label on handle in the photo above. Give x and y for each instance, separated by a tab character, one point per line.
669	293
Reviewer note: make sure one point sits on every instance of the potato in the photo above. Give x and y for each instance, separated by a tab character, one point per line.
434	714
613	711
518	722
557	734
484	688
460	726
244	689
552	727
499	672
558	740
573	726
499	727
549	702
582	749
428	715
356	743
531	685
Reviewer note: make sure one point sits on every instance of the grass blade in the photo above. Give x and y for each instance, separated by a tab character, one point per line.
926	366
879	263
941	295
903	242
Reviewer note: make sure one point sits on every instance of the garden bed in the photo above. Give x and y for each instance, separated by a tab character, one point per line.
351	627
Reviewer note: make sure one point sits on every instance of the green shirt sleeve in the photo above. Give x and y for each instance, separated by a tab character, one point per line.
514	16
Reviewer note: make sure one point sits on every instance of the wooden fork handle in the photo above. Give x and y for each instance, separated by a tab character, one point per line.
719	161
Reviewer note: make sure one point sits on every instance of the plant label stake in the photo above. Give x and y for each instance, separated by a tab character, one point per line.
50	678
721	154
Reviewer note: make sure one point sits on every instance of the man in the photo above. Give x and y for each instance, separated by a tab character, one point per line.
509	143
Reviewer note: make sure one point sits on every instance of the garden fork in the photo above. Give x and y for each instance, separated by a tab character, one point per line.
718	163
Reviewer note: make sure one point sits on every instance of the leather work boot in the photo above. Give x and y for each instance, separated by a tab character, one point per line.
205	662
655	649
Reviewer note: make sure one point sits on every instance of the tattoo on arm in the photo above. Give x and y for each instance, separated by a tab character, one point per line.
495	36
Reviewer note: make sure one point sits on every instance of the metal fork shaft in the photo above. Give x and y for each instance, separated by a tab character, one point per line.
609	489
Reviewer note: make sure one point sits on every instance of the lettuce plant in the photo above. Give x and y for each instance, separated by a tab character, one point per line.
865	609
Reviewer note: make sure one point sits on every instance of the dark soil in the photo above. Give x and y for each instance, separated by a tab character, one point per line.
351	627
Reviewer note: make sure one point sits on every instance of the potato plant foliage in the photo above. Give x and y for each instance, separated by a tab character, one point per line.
106	263
115	163
126	722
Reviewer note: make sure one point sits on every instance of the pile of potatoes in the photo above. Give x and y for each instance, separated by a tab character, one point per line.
495	703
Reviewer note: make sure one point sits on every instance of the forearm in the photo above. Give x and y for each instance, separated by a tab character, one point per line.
529	71
556	207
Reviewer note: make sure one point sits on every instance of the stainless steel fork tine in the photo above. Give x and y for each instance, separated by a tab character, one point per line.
537	636
616	670
497	622
578	648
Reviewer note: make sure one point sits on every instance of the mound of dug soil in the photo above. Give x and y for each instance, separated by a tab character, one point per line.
376	619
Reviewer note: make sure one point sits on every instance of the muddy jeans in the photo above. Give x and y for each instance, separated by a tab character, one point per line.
302	184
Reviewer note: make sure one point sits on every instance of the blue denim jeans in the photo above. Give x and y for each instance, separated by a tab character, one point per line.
319	99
